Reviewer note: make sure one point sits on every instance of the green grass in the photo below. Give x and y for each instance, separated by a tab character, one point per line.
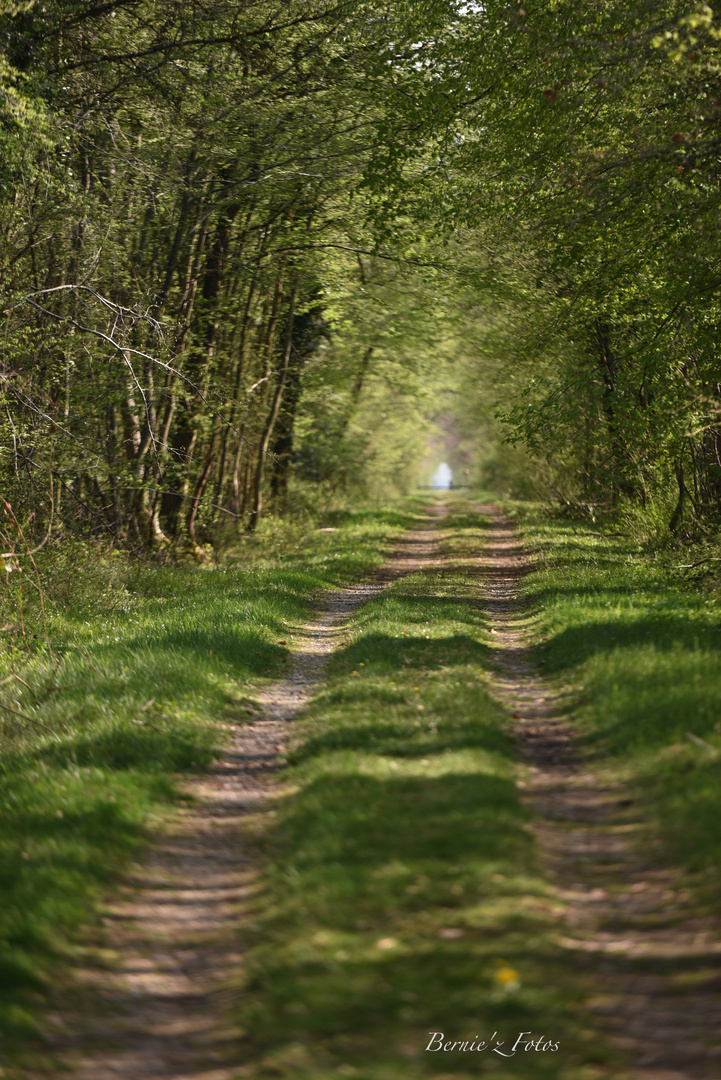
401	875
148	666
638	649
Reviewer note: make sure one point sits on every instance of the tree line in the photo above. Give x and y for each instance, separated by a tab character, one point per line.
177	178
591	159
200	199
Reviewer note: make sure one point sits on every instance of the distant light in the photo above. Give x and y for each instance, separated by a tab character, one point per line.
443	477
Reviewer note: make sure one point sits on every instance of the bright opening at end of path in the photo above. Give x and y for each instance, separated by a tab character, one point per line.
442	477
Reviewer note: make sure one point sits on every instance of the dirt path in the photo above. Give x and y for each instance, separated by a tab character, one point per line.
150	1004
656	958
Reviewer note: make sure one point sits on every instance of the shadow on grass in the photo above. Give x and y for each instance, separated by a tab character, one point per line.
686	790
653	704
666	633
412	818
241	652
649	679
380	1014
392	517
383	654
397	919
386	738
542	596
53	862
475	522
180	747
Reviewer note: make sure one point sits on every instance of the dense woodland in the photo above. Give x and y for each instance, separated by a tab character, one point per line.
257	254
264	264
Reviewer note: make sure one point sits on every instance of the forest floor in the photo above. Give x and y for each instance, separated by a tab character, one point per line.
451	814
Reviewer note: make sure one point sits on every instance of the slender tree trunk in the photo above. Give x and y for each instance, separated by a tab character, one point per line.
195	505
272	415
357	388
677	516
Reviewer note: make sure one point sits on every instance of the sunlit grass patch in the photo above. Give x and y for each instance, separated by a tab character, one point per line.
402	876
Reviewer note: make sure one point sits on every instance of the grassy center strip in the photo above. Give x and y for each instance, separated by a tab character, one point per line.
403	896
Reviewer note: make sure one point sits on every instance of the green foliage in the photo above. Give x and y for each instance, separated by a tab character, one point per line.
569	156
373	396
177	243
203	249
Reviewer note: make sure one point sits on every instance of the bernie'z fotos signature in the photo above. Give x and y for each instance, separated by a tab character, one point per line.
522	1042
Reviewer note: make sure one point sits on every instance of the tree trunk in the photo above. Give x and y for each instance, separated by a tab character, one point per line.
195	505
677	515
272	415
